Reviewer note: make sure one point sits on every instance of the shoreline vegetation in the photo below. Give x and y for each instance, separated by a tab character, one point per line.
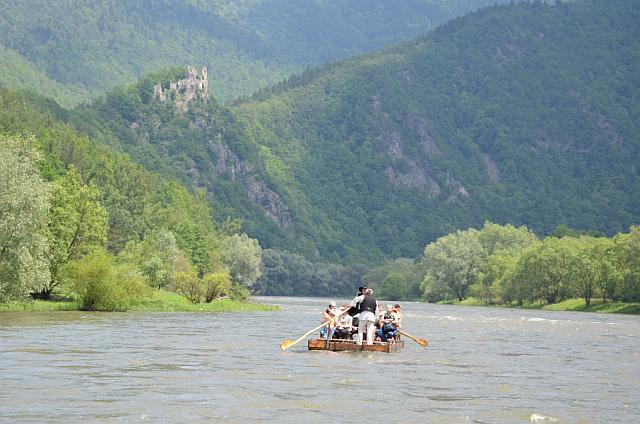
162	301
568	305
79	220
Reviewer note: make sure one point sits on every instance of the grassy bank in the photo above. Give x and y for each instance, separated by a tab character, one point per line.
165	301
162	301
40	306
567	305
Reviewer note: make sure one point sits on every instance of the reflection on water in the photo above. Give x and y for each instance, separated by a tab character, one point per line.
482	365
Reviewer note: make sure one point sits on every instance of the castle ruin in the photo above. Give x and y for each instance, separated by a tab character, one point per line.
194	86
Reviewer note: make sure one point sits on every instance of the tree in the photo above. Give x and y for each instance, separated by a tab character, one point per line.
597	267
101	284
498	238
506	286
629	250
396	279
394	286
216	284
77	224
189	285
274	278
162	253
584	269
453	263
241	255
545	268
24	204
503	244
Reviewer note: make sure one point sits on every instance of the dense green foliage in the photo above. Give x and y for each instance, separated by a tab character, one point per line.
525	114
289	274
512	114
24	203
205	147
77	223
79	218
76	49
505	265
530	270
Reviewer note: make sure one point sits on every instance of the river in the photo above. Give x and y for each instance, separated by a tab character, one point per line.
482	365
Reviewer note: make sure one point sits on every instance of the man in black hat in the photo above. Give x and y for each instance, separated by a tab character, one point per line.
368	311
355	306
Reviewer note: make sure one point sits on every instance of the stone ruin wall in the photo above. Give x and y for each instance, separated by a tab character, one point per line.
185	90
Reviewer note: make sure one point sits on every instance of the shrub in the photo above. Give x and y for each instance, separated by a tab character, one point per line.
217	284
238	292
189	285
100	285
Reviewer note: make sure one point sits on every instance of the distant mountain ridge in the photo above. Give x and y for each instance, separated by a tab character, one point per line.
524	114
86	48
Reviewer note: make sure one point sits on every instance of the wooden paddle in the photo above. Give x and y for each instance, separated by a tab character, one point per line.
421	342
286	344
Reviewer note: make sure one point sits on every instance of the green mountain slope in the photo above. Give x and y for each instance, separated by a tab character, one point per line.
525	114
203	147
139	204
16	71
246	44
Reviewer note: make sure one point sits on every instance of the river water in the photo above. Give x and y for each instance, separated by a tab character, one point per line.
482	365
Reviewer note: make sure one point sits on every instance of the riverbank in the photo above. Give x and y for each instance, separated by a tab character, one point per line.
162	301
566	305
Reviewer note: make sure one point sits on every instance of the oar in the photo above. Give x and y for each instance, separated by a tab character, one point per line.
286	344
421	342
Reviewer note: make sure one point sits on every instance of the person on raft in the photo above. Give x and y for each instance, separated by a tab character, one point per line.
368	311
354	310
343	325
397	308
330	312
388	325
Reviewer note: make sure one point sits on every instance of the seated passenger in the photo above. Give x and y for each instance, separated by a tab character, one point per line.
379	323
328	313
343	325
397	308
388	325
354	326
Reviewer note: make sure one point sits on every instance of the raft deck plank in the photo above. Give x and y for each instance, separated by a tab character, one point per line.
350	345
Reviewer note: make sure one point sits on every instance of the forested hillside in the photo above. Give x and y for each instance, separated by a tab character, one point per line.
524	114
79	219
85	48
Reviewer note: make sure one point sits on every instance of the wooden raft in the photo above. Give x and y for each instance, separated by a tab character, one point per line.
341	345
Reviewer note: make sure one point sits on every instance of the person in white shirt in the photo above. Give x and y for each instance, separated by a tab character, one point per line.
367	315
343	325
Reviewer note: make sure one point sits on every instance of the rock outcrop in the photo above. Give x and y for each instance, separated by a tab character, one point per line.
258	192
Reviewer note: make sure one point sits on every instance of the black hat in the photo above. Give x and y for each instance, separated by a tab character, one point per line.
362	288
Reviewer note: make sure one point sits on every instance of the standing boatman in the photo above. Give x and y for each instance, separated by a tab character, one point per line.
368	307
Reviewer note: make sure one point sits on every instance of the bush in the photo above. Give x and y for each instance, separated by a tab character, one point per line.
238	292
217	284
100	285
189	285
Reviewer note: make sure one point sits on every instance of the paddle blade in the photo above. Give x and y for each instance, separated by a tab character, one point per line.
422	342
285	344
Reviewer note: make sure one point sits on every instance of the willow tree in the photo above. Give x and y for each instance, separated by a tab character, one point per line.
546	269
24	203
242	256
77	224
453	264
